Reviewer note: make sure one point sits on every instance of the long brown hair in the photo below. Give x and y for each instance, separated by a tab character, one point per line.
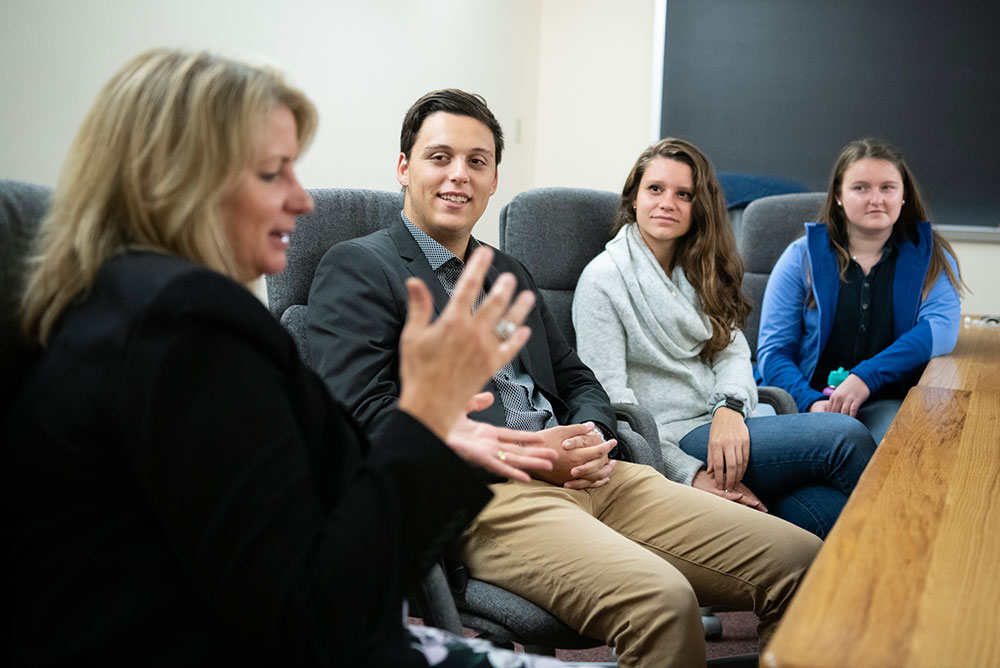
904	229
707	253
161	146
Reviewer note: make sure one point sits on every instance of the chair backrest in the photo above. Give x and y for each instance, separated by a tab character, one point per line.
555	232
22	207
769	224
741	189
340	214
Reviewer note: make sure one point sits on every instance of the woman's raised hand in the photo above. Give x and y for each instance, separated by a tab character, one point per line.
442	364
506	452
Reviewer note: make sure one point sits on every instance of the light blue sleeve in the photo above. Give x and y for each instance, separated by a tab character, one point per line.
782	326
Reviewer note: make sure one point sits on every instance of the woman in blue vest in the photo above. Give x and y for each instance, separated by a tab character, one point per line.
870	288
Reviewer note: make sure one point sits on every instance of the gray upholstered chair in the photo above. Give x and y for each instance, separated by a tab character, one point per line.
22	206
340	214
769	225
555	232
742	188
495	613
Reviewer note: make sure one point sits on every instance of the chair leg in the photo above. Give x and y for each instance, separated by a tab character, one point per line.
712	624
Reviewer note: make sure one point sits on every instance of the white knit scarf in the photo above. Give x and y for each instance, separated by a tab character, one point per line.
668	305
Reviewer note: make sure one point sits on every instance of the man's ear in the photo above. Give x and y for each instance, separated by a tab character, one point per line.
403	169
496	178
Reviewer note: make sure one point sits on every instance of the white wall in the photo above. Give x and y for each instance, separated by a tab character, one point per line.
363	63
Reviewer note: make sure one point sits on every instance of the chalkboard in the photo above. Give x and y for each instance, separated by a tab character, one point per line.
778	87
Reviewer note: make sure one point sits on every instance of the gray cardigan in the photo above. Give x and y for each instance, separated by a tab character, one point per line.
641	332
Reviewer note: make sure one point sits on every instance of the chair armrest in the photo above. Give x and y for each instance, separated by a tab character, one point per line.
778	399
294	320
638	436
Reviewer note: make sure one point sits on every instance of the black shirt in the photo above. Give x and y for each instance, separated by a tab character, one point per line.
863	324
178	489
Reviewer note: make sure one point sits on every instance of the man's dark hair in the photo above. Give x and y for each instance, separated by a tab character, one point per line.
451	101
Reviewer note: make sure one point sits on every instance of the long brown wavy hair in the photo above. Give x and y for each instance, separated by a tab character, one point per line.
707	253
905	228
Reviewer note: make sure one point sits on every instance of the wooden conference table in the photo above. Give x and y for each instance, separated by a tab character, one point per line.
910	574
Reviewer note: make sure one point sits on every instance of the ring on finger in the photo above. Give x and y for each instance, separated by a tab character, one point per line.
501	455
504	329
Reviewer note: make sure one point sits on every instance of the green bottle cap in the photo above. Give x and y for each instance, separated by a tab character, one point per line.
837	377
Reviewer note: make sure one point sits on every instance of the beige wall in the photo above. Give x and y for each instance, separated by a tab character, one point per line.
979	263
595	60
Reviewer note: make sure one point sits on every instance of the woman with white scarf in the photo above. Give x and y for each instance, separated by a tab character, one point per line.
658	316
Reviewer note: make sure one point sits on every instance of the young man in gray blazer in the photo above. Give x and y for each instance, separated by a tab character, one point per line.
612	548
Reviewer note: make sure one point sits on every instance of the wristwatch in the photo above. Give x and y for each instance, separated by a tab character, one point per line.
731	403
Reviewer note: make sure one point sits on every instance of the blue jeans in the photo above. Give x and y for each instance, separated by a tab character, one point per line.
878	415
803	466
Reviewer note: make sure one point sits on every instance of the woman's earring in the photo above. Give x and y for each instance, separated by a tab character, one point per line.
839	203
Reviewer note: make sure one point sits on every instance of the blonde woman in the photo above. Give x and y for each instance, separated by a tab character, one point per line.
178	488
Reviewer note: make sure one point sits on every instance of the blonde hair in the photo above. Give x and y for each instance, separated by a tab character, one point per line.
159	149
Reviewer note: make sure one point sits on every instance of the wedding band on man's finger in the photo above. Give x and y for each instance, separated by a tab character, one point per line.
504	329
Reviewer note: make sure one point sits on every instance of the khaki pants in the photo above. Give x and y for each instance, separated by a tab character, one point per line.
630	562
